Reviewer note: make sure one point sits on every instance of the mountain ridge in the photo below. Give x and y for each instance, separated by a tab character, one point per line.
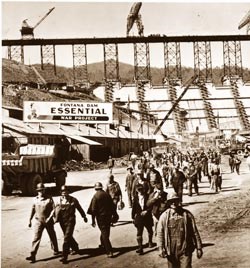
15	72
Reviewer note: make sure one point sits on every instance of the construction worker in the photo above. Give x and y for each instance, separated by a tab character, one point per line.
110	163
102	210
237	162
67	219
178	235
133	159
177	180
157	201
142	217
129	184
114	190
192	179
43	209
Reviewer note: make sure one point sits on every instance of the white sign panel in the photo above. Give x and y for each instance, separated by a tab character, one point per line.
80	112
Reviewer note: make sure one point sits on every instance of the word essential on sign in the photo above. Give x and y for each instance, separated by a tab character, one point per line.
35	111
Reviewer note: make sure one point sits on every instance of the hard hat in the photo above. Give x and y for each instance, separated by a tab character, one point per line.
98	186
64	188
121	205
40	187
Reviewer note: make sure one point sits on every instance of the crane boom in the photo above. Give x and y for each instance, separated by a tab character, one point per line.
188	84
44	17
245	21
133	17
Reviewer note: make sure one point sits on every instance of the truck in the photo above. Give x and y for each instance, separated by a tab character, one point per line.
232	147
26	165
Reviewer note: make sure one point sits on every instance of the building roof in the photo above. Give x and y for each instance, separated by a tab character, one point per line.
71	130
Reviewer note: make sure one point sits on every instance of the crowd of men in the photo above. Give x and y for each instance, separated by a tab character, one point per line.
147	182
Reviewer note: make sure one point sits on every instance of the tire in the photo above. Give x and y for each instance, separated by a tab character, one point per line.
60	180
32	182
239	152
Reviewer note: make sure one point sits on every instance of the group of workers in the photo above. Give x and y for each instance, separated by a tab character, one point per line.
47	213
152	207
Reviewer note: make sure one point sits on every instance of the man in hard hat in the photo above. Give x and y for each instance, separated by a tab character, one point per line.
178	235
67	219
102	210
42	208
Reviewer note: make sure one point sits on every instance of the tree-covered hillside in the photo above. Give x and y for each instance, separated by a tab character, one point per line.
13	71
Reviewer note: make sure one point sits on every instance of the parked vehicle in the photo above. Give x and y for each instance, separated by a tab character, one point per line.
27	165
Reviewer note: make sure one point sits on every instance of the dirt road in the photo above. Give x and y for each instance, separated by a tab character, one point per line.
223	247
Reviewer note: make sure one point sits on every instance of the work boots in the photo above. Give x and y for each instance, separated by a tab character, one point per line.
140	248
64	259
31	258
150	242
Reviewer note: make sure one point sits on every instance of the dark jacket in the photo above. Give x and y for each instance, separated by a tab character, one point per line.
157	205
66	212
137	209
101	205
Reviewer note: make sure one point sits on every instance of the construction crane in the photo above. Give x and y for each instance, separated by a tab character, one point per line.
27	32
245	22
135	17
187	85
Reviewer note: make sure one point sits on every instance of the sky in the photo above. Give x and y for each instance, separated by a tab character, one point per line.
109	19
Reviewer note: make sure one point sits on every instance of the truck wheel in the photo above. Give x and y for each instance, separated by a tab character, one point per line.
60	180
24	182
32	183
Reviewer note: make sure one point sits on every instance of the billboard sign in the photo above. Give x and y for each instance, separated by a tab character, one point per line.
70	112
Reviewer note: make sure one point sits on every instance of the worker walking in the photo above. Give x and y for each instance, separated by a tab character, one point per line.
114	190
237	164
178	235
177	180
142	217
102	210
66	216
110	163
42	208
129	185
157	202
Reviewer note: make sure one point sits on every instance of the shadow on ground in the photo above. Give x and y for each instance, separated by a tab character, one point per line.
194	203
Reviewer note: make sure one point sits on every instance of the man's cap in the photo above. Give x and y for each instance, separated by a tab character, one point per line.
172	197
98	186
111	176
64	189
40	187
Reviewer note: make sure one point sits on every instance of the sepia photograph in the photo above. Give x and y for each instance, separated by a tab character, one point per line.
125	134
